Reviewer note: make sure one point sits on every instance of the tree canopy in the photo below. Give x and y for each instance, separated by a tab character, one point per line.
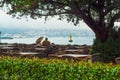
99	15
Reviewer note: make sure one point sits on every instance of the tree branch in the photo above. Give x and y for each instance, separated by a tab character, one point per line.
115	17
109	9
49	14
55	2
87	18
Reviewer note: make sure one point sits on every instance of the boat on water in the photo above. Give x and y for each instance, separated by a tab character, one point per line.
70	38
6	38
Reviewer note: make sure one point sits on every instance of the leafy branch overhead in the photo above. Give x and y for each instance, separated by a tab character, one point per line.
99	15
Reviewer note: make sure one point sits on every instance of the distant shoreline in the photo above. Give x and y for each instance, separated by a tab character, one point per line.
6	38
55	40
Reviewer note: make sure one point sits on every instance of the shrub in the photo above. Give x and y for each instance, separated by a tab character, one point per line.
108	50
12	68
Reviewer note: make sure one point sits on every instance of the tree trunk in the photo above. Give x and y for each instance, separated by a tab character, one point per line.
101	34
98	27
100	30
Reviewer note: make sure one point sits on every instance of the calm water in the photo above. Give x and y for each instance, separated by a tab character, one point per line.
56	40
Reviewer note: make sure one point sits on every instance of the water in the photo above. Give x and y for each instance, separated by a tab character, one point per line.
56	40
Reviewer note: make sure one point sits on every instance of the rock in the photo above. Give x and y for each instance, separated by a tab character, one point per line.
96	57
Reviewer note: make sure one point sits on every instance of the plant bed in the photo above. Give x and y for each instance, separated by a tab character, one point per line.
16	68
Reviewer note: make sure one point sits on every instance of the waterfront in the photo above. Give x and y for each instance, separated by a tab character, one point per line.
56	40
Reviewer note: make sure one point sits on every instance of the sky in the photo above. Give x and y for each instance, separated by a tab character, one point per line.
7	21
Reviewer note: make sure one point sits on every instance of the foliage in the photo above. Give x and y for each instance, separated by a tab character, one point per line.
72	10
12	68
99	15
109	50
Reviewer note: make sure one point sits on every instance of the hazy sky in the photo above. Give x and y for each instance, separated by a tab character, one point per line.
6	21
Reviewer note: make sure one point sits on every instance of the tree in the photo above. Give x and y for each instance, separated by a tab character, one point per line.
99	15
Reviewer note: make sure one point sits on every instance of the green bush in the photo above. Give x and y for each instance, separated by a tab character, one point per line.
108	50
12	68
